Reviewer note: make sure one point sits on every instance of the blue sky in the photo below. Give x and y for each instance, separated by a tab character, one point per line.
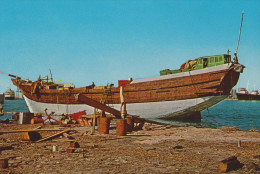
107	40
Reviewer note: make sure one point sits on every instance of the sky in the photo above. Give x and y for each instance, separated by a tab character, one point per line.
102	41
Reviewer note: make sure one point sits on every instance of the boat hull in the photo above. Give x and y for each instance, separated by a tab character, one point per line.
247	97
164	109
165	96
9	98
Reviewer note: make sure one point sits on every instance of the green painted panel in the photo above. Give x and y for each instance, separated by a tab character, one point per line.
211	61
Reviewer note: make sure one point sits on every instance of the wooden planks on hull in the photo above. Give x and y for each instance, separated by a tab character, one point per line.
161	90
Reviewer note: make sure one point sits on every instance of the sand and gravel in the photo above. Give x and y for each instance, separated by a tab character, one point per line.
155	149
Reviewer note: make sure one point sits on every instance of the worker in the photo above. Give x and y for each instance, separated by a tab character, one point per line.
235	59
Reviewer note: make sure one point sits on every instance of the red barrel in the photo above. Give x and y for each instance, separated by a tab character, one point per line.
130	124
121	127
104	124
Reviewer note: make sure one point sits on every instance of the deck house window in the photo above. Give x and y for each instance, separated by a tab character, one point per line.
216	59
227	58
212	60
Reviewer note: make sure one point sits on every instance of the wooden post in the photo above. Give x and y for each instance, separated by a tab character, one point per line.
239	143
123	104
25	118
94	122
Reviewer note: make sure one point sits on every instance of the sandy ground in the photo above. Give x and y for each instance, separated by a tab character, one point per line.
155	149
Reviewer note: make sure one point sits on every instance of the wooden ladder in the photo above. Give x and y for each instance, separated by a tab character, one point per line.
106	94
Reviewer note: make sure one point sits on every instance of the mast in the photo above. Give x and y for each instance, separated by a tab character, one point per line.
51	76
235	57
13	76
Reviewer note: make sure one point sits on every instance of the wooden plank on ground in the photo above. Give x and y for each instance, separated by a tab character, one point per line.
51	136
31	130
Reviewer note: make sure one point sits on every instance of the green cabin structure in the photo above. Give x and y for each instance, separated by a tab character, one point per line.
201	63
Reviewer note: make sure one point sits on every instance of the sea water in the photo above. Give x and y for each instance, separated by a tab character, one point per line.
244	115
13	106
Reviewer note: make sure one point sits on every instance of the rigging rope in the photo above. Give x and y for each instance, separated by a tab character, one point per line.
240	31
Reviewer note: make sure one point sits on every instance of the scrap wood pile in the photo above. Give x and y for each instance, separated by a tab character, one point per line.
78	119
129	124
34	118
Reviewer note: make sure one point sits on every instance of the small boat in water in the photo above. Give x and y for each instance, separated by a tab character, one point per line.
243	94
9	94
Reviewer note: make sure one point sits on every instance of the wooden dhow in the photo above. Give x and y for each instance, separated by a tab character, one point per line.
197	85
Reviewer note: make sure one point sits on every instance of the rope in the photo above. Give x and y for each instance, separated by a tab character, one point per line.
240	31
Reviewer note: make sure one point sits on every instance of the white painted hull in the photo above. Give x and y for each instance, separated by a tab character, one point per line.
145	110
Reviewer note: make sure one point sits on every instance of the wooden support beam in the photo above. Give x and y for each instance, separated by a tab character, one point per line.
84	99
136	118
93	122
